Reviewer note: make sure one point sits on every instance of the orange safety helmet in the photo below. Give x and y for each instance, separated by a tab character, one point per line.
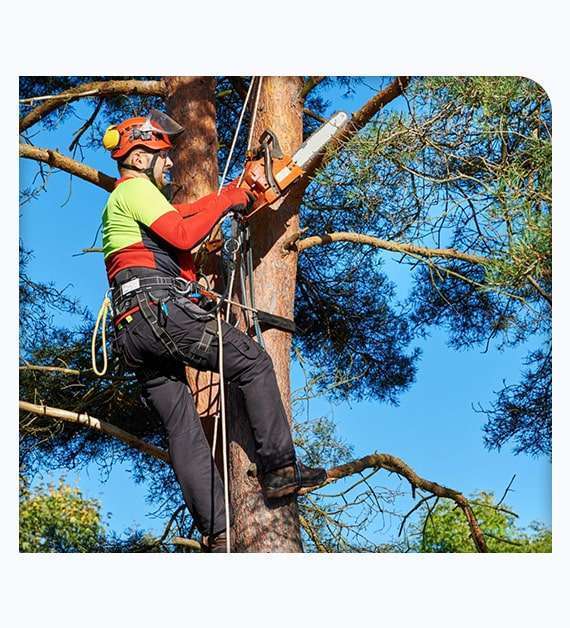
153	132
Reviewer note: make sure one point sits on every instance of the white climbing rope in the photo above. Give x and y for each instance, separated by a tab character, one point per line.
227	167
243	109
102	322
224	433
253	118
249	139
222	414
254	115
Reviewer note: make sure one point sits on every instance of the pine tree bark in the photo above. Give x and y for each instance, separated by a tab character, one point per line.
259	527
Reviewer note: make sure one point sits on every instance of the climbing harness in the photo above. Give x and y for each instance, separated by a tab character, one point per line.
125	297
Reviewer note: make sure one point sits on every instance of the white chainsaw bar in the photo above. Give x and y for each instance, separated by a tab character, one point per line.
314	144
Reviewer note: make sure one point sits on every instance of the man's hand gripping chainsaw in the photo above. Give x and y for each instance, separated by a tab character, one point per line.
269	172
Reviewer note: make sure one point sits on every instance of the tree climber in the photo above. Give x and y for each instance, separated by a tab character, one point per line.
160	329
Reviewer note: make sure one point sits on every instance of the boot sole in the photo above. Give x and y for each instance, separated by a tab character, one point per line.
289	489
282	492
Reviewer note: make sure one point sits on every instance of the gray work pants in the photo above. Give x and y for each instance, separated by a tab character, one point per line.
163	379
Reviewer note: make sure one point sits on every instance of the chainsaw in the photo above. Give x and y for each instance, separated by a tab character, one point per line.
268	172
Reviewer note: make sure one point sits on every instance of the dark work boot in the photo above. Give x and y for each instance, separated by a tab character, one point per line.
290	479
215	544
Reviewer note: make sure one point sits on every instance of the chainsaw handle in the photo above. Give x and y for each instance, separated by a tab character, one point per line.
269	137
268	168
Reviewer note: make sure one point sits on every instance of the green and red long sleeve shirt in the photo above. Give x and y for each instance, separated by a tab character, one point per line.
142	229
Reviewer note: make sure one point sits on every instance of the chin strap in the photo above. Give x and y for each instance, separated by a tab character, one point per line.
170	190
148	171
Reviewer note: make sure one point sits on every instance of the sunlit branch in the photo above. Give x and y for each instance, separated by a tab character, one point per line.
57	160
359	119
187	543
98	425
55	369
97	88
397	247
398	466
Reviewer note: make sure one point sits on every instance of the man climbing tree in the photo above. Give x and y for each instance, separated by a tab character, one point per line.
455	181
160	328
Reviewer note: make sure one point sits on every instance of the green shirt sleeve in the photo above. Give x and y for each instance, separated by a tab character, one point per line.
143	201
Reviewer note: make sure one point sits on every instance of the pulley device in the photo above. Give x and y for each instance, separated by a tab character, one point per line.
268	172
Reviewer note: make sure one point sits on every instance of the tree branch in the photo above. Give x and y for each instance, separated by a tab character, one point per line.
376	461
56	369
187	543
502	540
547	297
360	119
310	84
96	424
315	116
312	534
293	243
96	88
57	160
239	85
166	532
86	125
396	465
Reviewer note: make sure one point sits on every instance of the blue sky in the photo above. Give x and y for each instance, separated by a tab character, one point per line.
434	429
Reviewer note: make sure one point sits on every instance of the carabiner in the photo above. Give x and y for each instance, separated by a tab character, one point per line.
182	286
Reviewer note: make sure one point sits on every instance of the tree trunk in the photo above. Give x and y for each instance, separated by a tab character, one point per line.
190	100
258	528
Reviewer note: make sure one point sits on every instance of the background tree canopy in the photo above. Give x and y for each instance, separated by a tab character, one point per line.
465	166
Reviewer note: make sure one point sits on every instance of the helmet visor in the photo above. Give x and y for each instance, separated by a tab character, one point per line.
161	123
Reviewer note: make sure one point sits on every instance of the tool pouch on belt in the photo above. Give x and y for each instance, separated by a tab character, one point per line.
200	352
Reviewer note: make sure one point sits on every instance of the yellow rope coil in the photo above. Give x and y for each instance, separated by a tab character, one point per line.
101	321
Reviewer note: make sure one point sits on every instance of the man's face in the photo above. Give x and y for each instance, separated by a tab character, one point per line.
162	168
143	159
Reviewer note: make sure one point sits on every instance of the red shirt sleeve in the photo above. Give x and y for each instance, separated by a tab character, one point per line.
186	228
229	197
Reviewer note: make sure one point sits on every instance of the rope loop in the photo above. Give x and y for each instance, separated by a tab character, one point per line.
102	323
